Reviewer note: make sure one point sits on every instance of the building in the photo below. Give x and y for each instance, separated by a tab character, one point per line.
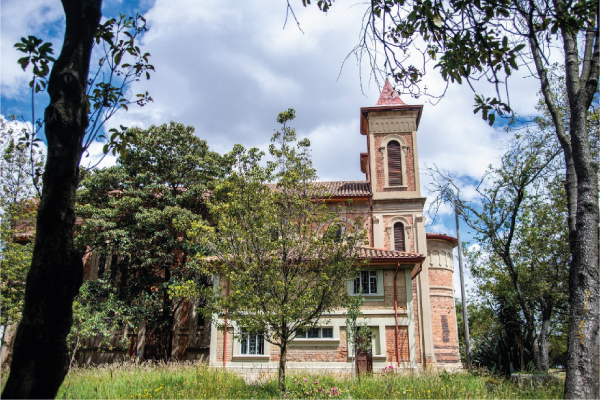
408	284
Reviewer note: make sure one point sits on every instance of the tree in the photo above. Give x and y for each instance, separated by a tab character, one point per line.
280	252
358	335
523	255
136	215
497	335
486	41
40	356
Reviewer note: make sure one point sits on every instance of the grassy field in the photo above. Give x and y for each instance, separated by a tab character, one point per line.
188	381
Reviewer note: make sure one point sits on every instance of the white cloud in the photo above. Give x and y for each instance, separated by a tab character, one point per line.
229	71
94	156
21	19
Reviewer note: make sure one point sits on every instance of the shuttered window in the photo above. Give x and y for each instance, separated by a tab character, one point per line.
399	244
394	153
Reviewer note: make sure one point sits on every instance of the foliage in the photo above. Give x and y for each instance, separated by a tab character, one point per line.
188	381
497	335
136	215
121	63
17	213
271	247
97	314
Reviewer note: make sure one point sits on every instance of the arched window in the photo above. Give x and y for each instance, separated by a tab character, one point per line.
399	244
334	232
394	153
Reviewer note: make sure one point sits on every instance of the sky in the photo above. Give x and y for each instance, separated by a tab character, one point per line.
229	70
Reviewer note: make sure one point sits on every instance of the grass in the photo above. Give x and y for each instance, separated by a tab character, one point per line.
187	381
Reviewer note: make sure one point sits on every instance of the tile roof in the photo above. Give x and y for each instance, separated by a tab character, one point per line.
442	236
346	188
374	254
389	97
339	188
365	252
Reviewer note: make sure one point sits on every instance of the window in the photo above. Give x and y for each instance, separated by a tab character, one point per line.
101	265
252	344
334	232
201	321
399	244
367	280
316	333
394	153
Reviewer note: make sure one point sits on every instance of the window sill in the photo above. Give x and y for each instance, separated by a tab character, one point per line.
376	357
371	297
395	187
251	357
320	341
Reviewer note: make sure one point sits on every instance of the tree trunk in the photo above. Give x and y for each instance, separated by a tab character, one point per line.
282	362
583	349
534	342
583	341
544	346
40	357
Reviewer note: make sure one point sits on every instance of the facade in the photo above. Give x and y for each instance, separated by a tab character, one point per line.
408	284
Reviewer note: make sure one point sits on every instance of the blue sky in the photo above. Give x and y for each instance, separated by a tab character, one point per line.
229	70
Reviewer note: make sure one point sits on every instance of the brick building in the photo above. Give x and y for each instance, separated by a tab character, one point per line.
408	284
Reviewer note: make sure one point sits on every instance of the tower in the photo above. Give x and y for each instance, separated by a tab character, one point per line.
392	169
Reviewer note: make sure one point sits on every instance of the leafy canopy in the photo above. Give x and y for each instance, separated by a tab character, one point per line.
137	214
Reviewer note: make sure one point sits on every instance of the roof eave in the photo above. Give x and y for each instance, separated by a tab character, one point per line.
418	108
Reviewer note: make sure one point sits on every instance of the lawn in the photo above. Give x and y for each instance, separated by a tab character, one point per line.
189	381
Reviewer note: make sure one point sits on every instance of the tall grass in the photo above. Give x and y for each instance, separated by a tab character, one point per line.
187	381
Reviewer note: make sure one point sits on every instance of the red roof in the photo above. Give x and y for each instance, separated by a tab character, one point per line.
371	253
339	188
442	236
375	254
389	97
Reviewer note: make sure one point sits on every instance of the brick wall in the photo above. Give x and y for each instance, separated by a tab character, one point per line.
444	329
443	315
390	343
378	139
387	234
441	277
230	339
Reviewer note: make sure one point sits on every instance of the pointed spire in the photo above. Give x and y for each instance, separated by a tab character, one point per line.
389	97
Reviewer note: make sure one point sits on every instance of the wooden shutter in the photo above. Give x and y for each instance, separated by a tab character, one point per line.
399	237
394	152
